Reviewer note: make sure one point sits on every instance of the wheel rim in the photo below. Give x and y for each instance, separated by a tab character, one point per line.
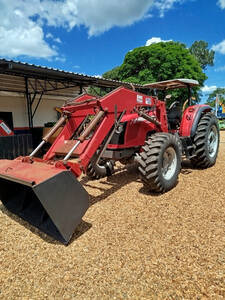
213	141
169	164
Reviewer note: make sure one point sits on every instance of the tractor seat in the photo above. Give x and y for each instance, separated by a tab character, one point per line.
174	115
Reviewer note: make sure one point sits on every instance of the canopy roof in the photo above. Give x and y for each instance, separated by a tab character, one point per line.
172	84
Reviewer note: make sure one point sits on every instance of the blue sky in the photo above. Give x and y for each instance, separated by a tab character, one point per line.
93	36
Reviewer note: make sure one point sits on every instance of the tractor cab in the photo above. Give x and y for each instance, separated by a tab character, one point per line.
175	108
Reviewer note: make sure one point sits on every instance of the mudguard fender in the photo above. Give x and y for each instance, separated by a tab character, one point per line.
190	119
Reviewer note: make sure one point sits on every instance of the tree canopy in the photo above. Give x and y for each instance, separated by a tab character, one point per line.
158	62
113	74
201	52
212	97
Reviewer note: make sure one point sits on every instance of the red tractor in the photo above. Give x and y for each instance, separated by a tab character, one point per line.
123	125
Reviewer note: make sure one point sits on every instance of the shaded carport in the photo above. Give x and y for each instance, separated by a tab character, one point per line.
36	81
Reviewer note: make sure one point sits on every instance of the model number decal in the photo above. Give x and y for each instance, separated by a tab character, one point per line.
139	99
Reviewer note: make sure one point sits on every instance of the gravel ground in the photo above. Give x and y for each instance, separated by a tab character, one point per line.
130	244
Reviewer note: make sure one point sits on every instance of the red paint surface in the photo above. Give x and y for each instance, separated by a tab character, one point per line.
4	129
31	172
188	118
124	99
136	132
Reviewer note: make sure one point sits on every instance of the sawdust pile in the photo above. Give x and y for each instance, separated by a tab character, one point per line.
130	244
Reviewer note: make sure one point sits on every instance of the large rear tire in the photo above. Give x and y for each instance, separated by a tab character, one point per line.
160	162
206	141
102	169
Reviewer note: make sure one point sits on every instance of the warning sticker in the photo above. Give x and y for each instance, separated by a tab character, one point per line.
139	99
5	128
148	101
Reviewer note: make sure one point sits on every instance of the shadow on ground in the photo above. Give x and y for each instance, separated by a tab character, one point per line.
122	177
112	184
186	167
80	229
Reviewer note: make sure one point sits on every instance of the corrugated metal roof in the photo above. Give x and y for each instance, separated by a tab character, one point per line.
21	69
16	84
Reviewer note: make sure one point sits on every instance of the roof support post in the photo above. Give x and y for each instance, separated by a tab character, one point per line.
189	95
29	104
81	89
30	101
36	107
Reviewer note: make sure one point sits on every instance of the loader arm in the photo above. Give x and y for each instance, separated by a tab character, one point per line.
113	104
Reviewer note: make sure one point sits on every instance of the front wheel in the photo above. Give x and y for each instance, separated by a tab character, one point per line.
160	162
206	141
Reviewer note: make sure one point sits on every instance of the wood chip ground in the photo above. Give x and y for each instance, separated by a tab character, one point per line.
130	244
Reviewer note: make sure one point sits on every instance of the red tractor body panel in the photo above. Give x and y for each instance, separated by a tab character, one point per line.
189	117
137	128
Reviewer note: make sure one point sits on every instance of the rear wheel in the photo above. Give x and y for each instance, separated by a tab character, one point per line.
102	169
206	141
160	162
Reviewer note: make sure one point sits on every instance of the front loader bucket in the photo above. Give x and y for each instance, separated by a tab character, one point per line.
55	205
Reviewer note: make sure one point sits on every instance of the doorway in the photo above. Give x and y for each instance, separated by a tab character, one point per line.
7	118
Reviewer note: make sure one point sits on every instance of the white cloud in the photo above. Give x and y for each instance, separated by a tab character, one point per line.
22	22
209	89
220	69
19	34
219	47
102	15
57	40
50	36
221	3
62	59
164	5
155	40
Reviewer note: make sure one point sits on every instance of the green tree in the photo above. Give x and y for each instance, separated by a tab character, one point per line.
201	52
158	62
212	97
113	74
